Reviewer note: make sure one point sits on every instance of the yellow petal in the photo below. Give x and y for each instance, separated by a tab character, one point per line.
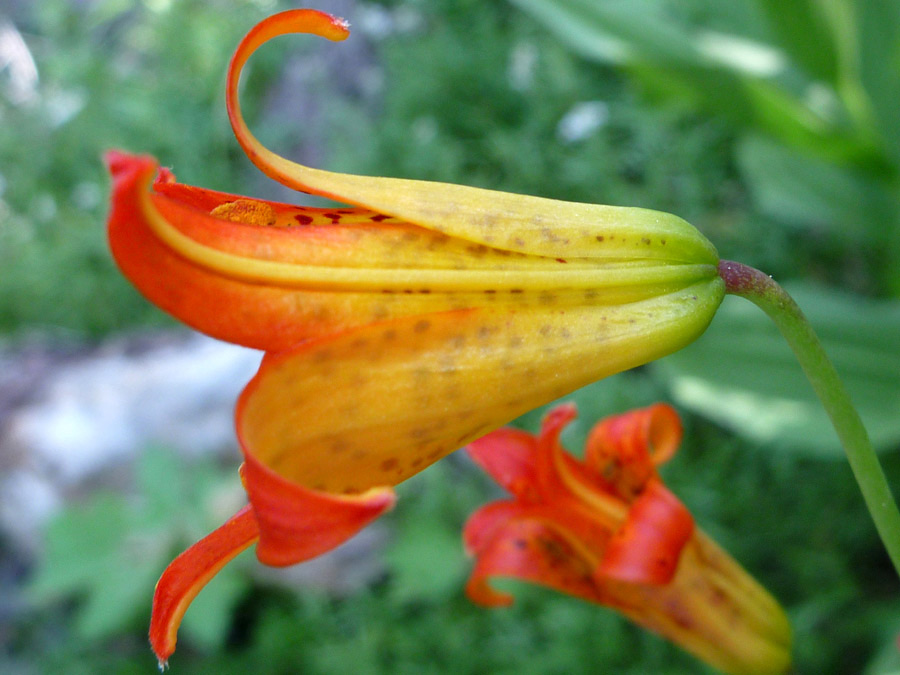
374	405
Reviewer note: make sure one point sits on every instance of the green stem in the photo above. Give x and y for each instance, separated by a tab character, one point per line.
764	292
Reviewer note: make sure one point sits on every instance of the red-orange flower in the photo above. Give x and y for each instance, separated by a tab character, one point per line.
607	530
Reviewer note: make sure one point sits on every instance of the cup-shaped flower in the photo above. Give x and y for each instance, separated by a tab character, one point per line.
396	330
605	529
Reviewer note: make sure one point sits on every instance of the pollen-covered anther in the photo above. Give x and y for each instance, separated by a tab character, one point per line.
247	211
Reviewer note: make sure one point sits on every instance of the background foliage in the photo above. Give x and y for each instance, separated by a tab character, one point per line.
771	126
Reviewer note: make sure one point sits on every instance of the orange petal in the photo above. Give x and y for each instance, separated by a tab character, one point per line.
483	524
624	450
535	551
190	572
647	547
508	456
296	524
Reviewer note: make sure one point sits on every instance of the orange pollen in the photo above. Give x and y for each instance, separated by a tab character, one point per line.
246	211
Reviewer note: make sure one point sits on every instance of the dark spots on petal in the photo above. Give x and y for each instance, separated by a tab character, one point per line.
416	463
378	217
490	290
359	343
422	326
545	330
335	217
389	335
662	241
591	294
547	298
520	544
645	240
518	241
600	238
424	291
303	219
516	291
389	464
561	260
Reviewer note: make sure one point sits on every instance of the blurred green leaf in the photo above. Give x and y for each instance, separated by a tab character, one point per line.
730	71
801	26
742	374
427	563
95	552
795	188
878	42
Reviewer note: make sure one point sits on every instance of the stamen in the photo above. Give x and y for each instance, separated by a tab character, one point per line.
246	211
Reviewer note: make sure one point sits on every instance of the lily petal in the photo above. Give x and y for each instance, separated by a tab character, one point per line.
296	524
536	551
372	406
647	547
190	572
513	222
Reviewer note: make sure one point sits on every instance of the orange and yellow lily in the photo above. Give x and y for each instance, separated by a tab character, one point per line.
396	330
605	529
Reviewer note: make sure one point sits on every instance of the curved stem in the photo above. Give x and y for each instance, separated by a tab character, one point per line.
764	292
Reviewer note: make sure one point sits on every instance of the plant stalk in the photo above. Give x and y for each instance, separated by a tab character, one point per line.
764	292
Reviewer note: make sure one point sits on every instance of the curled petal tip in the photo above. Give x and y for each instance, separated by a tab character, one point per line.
297	523
189	573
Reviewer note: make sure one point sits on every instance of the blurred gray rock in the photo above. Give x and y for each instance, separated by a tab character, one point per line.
70	421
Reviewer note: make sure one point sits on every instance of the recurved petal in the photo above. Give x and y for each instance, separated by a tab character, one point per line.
647	547
190	572
296	523
501	220
623	451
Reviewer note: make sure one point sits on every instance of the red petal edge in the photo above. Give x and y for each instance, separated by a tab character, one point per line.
296	524
190	572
